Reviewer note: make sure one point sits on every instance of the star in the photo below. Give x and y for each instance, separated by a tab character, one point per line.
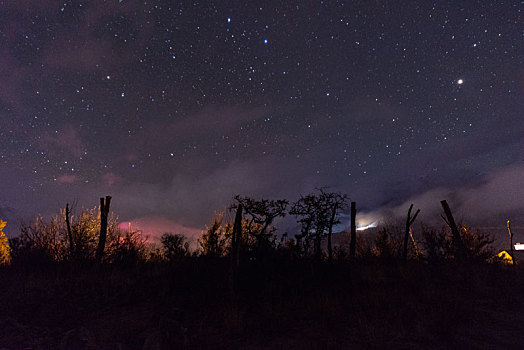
460	81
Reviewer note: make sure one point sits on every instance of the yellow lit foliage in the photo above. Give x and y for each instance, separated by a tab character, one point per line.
214	239
5	250
505	258
49	239
85	229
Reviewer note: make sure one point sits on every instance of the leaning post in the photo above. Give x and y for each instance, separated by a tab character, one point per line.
458	244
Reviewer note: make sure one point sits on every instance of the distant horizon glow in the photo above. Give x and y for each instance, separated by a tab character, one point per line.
363	228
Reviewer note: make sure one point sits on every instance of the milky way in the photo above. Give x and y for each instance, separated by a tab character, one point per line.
172	108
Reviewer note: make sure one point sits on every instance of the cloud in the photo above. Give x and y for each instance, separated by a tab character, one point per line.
111	179
67	179
192	196
66	140
490	201
501	194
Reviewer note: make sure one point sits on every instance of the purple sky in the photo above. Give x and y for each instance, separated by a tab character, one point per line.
172	108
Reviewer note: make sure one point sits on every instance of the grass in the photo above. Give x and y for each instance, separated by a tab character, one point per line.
292	305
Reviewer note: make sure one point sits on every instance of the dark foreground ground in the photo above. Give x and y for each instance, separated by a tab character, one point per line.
298	305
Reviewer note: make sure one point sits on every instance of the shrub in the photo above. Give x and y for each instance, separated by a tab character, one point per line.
478	243
439	245
214	240
41	241
126	247
389	242
47	240
175	246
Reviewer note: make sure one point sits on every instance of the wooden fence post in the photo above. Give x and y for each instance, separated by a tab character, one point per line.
353	242
69	233
104	213
513	257
458	244
235	250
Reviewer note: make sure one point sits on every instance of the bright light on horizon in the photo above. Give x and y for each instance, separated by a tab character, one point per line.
362	228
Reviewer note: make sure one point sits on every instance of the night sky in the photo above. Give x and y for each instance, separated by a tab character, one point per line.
172	108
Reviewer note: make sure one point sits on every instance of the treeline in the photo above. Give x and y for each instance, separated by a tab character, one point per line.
94	235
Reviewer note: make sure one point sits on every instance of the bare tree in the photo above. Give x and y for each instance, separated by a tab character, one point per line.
333	202
304	210
260	216
317	213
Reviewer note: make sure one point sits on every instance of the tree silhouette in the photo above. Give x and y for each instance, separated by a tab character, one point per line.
260	216
317	213
332	203
304	209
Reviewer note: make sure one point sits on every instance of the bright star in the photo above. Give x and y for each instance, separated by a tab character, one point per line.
460	81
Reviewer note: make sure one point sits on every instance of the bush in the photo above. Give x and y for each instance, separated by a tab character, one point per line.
439	245
127	248
40	242
175	246
389	242
214	241
478	243
44	240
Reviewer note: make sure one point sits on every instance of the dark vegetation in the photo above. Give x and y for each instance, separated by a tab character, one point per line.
81	282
